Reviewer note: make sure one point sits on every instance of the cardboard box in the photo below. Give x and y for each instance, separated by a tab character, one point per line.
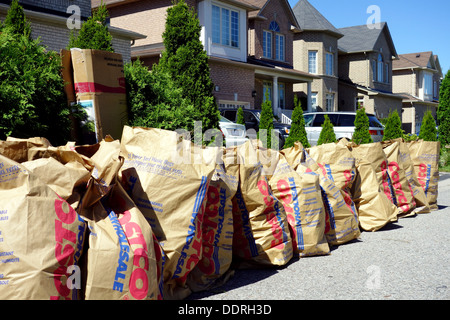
99	84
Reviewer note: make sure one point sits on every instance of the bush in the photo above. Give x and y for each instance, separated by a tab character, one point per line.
443	113
266	123
327	134
297	132
16	21
240	116
32	99
428	128
393	127
154	101
186	62
362	134
94	33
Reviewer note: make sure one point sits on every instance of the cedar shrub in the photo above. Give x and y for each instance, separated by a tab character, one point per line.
361	134
297	131
327	134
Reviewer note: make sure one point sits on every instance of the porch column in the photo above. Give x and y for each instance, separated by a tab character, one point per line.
275	96
308	97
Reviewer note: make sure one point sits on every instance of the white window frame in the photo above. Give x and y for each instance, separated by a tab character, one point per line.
380	68
267	44
427	84
329	64
312	61
386	73
279	47
329	101
227	33
314	101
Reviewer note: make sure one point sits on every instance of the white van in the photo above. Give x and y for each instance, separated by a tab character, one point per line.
344	125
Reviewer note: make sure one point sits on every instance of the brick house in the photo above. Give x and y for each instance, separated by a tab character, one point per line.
365	63
49	18
417	77
249	44
316	52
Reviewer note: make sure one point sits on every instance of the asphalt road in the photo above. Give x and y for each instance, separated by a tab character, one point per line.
406	260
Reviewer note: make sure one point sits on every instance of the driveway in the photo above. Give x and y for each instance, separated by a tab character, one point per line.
406	260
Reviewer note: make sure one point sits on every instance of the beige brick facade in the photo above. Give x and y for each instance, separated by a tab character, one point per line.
322	43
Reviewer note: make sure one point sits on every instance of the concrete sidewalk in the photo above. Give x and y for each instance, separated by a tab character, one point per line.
409	259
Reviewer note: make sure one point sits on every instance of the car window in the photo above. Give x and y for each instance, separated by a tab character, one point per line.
223	119
320	119
249	117
346	120
230	114
374	122
308	119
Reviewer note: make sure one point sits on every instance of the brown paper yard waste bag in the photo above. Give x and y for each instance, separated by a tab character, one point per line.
41	238
404	196
341	222
167	177
425	157
375	209
214	267
122	256
261	230
301	197
419	194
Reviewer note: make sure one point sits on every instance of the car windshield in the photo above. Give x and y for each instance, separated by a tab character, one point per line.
374	122
308	119
223	119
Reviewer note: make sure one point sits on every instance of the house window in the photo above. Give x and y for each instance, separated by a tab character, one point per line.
380	68
312	62
281	102
225	26
428	84
329	70
267	44
435	87
374	70
330	101
314	101
267	88
279	47
268	35
386	73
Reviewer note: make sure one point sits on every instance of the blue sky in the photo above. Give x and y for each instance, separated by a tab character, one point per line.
415	25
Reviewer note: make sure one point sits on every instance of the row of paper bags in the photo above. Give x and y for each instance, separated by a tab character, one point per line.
155	217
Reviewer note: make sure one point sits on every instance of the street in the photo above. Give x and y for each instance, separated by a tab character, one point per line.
406	260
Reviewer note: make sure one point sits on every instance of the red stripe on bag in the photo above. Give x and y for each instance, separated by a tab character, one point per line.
85	87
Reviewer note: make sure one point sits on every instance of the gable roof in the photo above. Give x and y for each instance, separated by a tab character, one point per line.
417	60
262	4
363	39
309	19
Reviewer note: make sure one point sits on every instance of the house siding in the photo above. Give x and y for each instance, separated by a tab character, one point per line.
322	43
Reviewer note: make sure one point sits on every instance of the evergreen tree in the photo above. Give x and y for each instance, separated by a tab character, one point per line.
186	62
327	134
240	116
32	99
94	33
443	113
297	132
361	134
16	21
266	123
428	128
393	127
154	101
